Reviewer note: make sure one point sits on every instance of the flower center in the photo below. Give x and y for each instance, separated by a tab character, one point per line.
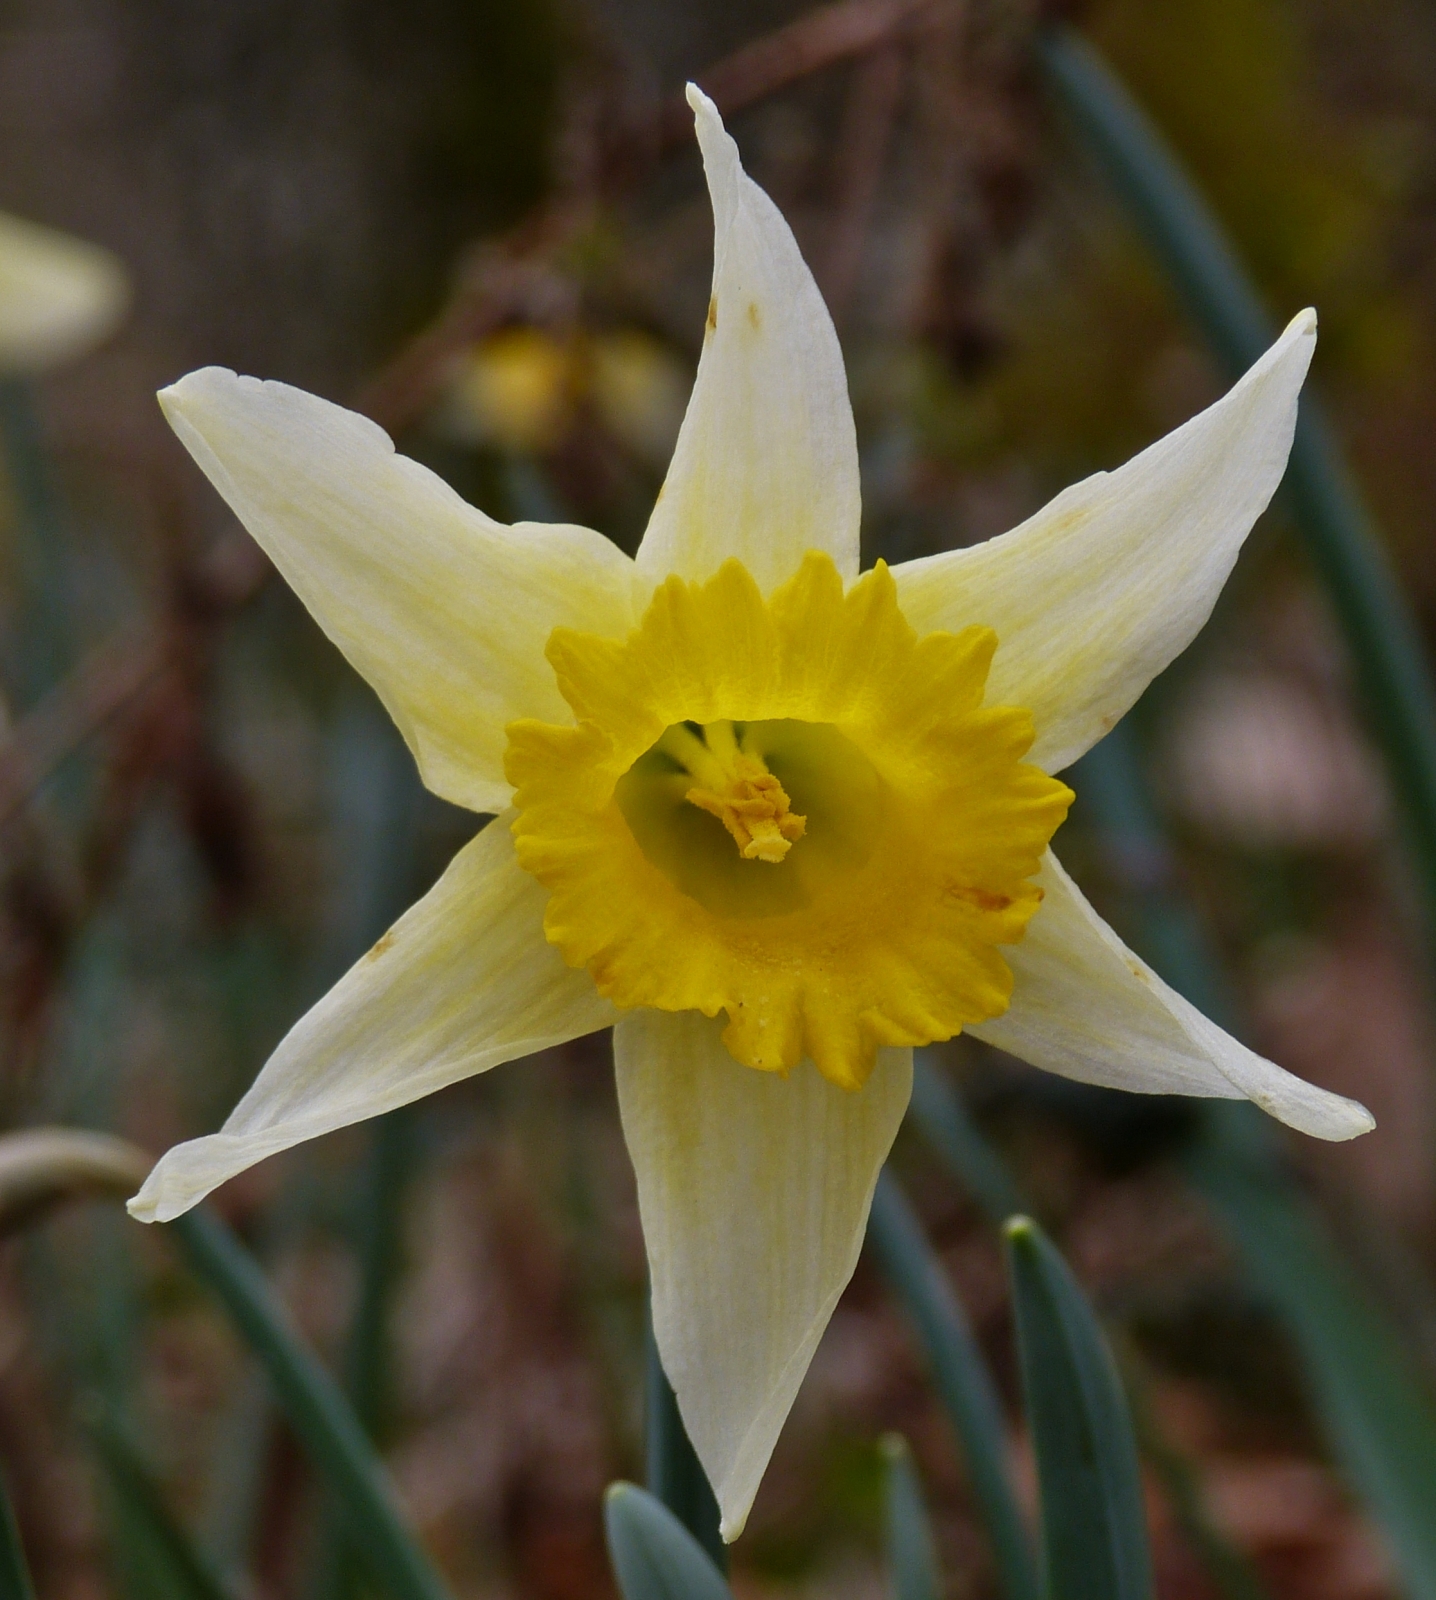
736	787
887	829
765	786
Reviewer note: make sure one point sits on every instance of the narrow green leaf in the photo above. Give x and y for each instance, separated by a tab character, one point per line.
939	1112
912	1556
1336	526
961	1378
173	1566
15	1581
1094	1529
654	1556
675	1474
315	1407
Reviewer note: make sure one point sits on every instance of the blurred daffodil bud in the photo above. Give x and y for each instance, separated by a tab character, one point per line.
524	388
514	390
59	296
639	389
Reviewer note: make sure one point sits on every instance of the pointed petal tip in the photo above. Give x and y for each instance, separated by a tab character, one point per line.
714	140
149	1204
142	1206
178	396
1357	1121
1316	1112
1302	322
169	1191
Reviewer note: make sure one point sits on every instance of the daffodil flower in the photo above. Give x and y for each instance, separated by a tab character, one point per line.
775	822
59	296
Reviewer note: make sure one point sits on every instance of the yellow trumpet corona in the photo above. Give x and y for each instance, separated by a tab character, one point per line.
875	916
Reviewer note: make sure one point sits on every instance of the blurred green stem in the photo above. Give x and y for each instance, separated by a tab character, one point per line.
675	1475
961	1376
315	1408
366	1366
15	1581
45	623
366	1362
1179	226
163	1556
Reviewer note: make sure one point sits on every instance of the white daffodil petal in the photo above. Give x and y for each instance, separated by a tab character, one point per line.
59	296
766	464
754	1192
1099	591
1085	1007
444	611
463	981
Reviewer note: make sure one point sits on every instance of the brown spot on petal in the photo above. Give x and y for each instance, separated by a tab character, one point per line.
755	317
713	314
386	943
983	899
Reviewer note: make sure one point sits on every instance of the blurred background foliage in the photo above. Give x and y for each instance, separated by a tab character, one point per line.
484	224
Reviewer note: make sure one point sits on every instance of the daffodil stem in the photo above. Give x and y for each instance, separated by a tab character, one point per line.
960	1374
674	1473
315	1407
1339	534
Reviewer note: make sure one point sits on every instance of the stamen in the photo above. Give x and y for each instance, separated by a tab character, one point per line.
738	789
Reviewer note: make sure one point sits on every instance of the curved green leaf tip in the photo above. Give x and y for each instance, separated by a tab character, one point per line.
911	1555
1094	1531
654	1556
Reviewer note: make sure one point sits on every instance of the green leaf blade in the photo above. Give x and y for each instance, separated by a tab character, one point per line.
911	1553
1094	1527
654	1556
961	1378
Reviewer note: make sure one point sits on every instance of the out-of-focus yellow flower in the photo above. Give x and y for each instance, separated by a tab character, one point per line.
523	388
59	296
639	389
515	390
775	821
